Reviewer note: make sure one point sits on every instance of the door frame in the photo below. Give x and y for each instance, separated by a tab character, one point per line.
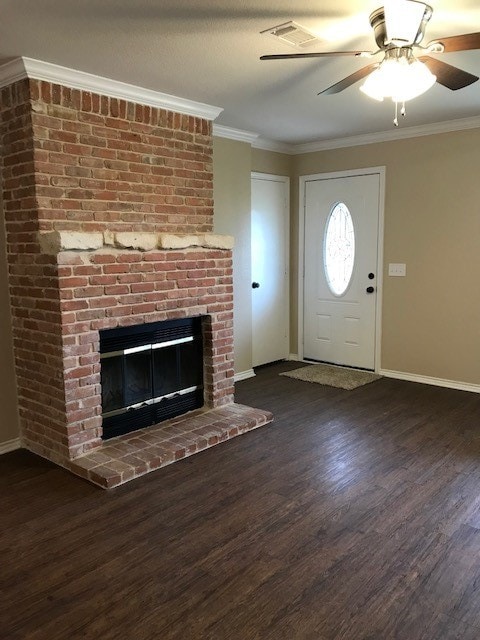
285	180
350	173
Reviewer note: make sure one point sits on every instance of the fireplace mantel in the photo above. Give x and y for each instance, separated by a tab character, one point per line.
54	242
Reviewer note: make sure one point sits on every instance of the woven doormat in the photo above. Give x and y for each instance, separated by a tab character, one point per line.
332	376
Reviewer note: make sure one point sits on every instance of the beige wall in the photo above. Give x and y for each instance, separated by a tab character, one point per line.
233	163
8	394
232	195
431	318
277	164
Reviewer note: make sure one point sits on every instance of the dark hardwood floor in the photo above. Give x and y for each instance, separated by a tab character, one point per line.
354	516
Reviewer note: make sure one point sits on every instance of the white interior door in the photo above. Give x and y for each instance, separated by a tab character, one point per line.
340	279
270	225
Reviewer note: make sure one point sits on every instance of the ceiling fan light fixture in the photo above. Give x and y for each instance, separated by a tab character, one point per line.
403	20
400	77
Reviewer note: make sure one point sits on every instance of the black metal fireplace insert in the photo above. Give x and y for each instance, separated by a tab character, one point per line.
149	373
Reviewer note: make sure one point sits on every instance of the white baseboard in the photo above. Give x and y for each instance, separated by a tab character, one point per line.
244	375
10	445
295	357
437	382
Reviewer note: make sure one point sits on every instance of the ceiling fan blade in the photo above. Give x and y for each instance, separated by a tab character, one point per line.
451	77
321	54
458	43
349	80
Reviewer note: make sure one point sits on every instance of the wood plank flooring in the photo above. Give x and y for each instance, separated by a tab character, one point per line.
354	516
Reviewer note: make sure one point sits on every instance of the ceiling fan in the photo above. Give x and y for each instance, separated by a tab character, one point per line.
407	70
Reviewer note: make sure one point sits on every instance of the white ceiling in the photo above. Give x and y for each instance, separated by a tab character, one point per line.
208	51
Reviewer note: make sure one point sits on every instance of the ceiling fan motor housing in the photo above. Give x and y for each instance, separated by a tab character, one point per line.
377	21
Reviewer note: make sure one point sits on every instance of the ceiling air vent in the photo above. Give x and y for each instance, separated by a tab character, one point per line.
293	34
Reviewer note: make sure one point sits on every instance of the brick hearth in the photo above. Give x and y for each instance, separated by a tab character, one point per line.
109	219
127	457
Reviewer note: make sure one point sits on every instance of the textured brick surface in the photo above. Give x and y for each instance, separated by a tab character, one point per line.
127	457
107	289
107	163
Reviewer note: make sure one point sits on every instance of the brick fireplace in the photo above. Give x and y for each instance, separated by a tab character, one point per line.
109	220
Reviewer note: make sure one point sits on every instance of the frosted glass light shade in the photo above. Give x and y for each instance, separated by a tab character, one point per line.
399	79
416	79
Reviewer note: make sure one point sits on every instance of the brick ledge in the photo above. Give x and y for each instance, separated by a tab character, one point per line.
54	242
127	457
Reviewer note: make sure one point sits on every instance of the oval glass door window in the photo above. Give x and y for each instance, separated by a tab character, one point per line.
339	249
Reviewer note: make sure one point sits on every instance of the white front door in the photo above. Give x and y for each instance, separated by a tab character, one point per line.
270	226
340	279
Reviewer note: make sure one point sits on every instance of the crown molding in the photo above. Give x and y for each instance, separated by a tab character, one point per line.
273	145
434	128
21	68
11	72
388	136
240	135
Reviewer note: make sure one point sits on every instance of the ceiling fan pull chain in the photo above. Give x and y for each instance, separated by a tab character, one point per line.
403	111
395	120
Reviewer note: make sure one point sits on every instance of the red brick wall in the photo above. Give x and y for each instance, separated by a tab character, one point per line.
34	293
73	160
103	163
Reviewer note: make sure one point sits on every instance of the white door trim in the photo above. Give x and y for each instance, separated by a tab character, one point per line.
255	175
380	171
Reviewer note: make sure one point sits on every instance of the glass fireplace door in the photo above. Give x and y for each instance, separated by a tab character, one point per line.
143	384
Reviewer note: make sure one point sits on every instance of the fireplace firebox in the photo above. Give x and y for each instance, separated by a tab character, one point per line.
149	373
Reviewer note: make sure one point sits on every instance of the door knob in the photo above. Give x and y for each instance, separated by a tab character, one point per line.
370	289
255	285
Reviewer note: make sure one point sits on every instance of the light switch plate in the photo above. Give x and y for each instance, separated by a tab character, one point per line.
397	269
